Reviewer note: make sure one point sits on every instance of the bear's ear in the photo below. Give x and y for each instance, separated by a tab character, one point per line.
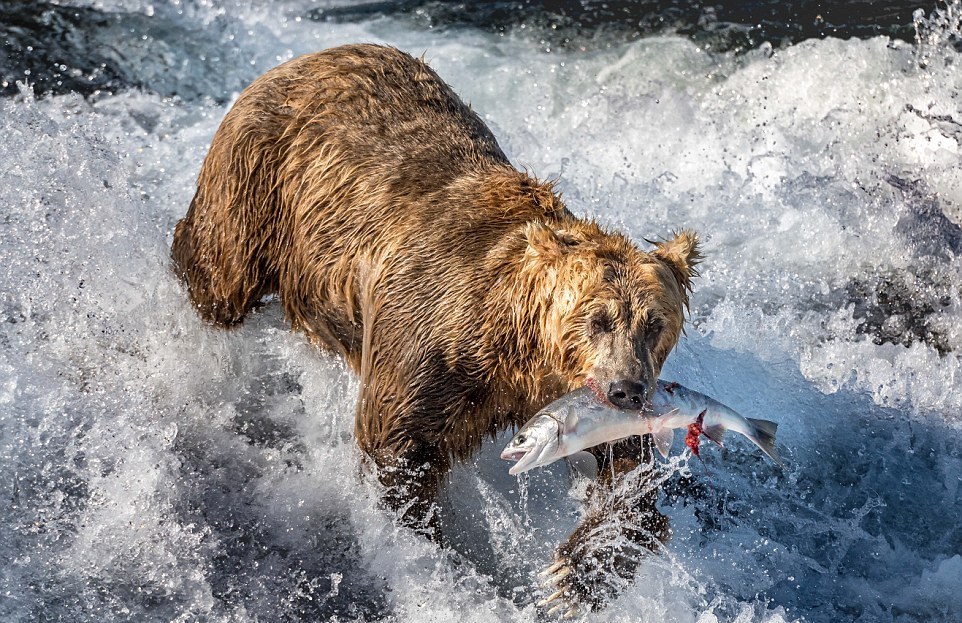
681	254
544	242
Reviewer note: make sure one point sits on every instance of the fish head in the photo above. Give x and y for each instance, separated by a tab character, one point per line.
536	444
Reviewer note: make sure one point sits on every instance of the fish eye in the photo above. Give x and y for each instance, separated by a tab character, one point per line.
521	439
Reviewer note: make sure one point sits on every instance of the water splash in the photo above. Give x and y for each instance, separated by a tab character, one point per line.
163	470
523	498
938	33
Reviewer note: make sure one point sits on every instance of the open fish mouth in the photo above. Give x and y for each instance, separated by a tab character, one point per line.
513	455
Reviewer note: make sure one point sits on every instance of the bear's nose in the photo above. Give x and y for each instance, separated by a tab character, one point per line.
626	394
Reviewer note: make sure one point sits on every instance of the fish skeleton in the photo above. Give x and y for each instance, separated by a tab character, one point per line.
583	418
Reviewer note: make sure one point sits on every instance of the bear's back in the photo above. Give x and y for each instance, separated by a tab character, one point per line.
350	173
401	124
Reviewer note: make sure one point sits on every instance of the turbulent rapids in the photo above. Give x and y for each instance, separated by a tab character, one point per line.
154	469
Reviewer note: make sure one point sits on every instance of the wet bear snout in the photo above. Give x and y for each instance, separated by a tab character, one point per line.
626	394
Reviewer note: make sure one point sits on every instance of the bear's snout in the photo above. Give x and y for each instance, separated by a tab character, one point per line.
628	394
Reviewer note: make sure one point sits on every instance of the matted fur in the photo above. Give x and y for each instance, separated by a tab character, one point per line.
356	185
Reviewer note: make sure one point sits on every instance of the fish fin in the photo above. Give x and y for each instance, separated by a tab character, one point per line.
765	438
715	433
571	420
584	463
663	440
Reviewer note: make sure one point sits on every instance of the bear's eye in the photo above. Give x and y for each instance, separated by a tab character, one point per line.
653	333
600	323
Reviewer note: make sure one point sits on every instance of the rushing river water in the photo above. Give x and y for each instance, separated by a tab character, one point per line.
154	469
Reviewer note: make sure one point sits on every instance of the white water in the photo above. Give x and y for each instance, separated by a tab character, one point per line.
154	469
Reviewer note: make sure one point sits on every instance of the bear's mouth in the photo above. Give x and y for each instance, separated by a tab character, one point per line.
595	388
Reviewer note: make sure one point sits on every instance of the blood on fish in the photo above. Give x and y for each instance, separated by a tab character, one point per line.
693	438
592	384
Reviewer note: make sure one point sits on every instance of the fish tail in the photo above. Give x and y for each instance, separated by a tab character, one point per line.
765	438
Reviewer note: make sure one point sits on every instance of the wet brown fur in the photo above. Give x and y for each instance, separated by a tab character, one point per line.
356	185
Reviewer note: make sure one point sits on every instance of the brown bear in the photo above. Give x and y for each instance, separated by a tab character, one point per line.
358	187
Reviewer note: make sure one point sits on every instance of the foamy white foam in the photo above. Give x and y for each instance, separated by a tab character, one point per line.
155	469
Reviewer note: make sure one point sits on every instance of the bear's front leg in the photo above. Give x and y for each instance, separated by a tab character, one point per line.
411	479
621	526
398	429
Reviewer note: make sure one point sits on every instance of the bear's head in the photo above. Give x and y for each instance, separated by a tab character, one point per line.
613	312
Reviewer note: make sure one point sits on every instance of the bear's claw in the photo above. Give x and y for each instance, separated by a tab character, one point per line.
555	579
570	613
548	600
563	600
550	570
